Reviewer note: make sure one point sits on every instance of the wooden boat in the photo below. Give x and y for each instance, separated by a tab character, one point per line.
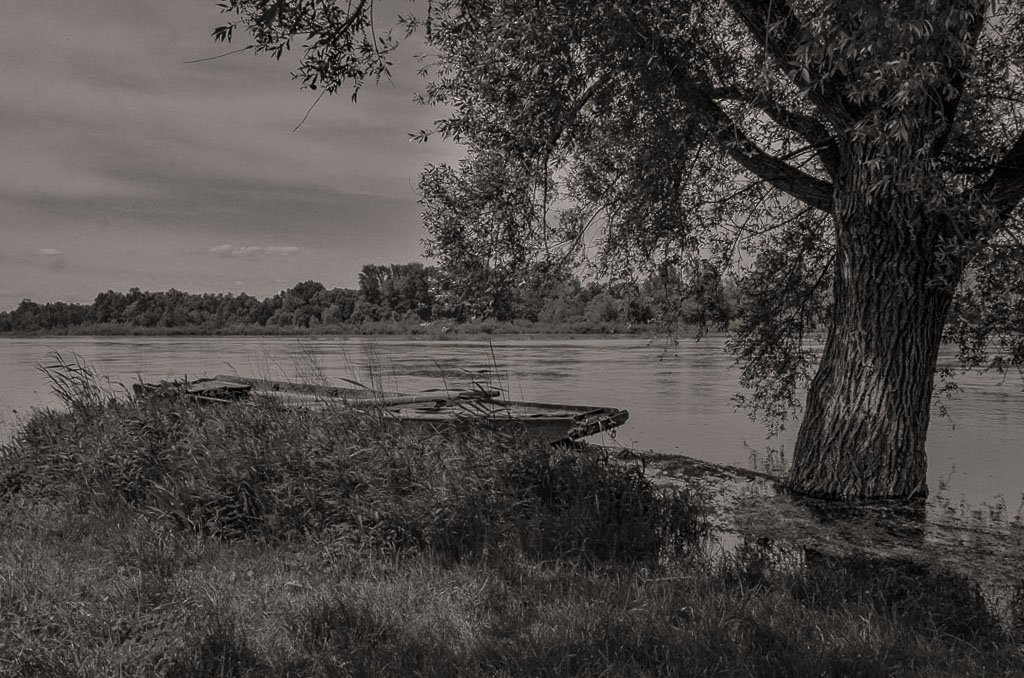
360	397
544	421
434	410
209	390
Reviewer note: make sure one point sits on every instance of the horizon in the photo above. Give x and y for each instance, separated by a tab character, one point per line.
128	167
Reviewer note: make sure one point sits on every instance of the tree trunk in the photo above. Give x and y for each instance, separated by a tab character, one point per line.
863	434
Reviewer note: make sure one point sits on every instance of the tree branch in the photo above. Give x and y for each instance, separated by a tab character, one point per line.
584	99
780	174
807	126
802	186
774	25
1004	188
951	106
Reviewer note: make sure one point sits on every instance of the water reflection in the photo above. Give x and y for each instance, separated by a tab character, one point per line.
869	553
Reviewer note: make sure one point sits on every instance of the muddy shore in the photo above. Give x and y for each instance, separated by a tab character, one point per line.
751	508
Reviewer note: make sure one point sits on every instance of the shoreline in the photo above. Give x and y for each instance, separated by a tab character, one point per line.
433	330
751	507
451	336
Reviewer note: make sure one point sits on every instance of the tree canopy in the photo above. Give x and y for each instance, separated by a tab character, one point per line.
857	163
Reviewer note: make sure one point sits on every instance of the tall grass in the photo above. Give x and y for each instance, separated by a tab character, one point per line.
271	473
74	382
165	538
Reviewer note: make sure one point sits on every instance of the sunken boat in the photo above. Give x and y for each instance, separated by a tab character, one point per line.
434	410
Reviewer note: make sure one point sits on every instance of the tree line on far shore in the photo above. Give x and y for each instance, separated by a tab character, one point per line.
409	295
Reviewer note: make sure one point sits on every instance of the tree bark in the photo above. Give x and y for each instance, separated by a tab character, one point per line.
866	421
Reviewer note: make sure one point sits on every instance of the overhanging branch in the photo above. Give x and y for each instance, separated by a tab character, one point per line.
804	187
797	183
811	129
774	25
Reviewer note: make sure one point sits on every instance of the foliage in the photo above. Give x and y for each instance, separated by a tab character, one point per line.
399	298
784	309
989	310
885	140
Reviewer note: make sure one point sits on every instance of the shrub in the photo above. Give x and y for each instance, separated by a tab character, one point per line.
587	507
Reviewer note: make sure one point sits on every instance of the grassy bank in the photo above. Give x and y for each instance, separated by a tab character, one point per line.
161	538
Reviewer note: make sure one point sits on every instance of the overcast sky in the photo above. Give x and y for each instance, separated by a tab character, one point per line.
122	166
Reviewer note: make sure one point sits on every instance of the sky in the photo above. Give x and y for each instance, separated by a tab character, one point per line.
124	166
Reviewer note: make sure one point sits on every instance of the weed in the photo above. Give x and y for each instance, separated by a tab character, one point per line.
75	382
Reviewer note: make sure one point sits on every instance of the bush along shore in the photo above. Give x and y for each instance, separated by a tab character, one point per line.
400	297
166	538
408	327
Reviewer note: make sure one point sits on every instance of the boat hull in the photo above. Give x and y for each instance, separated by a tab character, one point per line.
547	422
439	410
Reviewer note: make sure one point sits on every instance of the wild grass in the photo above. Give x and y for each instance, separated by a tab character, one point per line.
164	538
274	474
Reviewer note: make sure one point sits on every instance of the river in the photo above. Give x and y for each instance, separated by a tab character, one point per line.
678	393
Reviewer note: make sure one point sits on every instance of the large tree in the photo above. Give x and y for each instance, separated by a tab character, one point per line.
854	159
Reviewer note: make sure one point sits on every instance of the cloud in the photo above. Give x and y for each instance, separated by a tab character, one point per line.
138	163
53	259
249	251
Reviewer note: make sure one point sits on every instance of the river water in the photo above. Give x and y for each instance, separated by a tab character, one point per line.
678	393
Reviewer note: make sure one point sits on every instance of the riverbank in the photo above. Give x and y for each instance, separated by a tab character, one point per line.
164	539
422	330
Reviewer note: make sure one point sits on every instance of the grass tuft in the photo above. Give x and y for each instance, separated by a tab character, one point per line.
222	652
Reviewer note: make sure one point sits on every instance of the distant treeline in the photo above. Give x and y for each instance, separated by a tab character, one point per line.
393	297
